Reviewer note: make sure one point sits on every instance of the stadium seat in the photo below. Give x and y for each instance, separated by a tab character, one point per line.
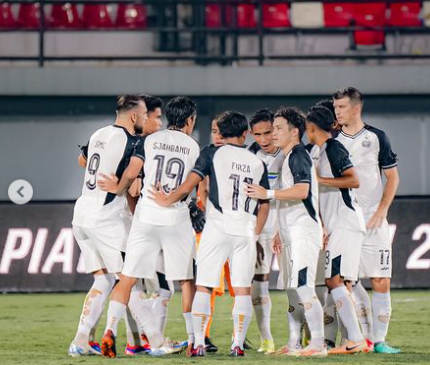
338	14
245	16
96	16
276	15
131	16
7	20
405	14
64	16
370	15
29	15
307	15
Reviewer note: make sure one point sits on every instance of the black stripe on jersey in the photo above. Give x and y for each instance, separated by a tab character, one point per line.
335	266
353	136
338	157
309	147
303	277
125	160
254	148
300	164
386	157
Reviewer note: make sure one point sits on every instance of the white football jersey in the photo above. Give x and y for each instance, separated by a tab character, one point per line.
229	168
339	207
109	151
370	152
169	156
273	164
298	168
314	151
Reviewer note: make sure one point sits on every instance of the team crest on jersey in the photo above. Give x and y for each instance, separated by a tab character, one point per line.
366	143
100	144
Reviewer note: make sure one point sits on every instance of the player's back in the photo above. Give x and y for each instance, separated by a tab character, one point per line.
169	157
230	169
109	151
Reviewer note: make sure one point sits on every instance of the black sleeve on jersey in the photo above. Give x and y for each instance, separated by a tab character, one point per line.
264	182
386	157
300	164
84	150
139	149
254	148
204	162
338	157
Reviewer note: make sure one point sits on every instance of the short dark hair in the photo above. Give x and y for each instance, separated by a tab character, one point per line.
294	117
152	102
350	92
232	124
327	103
262	115
178	110
322	117
127	102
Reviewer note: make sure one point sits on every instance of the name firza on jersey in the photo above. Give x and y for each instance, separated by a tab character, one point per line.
241	167
171	148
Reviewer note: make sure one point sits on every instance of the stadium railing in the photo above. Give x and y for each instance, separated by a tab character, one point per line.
365	22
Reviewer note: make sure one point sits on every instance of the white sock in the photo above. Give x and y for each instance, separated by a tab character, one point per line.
346	310
314	314
262	307
242	314
201	313
363	310
330	319
159	308
141	309
115	312
132	330
321	291
296	317
188	316
93	306
381	308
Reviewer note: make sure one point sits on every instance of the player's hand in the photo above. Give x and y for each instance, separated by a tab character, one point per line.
277	244
325	239
108	183
255	191
198	218
157	194
377	219
260	255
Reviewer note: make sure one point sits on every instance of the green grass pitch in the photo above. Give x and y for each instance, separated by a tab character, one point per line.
37	329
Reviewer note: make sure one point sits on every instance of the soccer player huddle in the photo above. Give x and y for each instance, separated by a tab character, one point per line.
319	208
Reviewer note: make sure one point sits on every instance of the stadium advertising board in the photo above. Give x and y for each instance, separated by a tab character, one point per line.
38	251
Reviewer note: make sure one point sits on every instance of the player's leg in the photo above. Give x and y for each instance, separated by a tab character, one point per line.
260	296
210	259
363	309
99	292
161	301
377	265
242	267
344	249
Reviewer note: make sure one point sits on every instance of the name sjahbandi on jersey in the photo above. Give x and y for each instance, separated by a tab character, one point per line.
168	156
273	164
298	168
229	168
109	151
371	152
339	206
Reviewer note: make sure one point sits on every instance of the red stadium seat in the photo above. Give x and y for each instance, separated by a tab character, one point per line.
405	14
338	14
371	15
96	16
29	15
245	16
7	20
276	15
64	16
131	16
